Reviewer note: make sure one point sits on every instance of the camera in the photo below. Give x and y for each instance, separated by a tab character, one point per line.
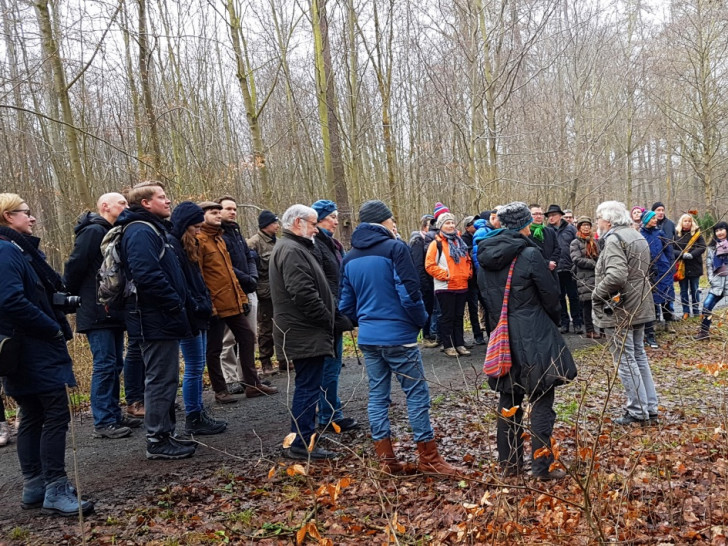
612	303
66	302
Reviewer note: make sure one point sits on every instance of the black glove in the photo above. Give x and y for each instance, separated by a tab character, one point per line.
246	309
342	323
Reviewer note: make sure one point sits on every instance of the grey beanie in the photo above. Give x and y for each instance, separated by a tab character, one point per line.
374	212
515	216
444	217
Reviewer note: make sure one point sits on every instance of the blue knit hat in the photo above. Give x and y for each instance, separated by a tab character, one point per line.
647	216
184	215
323	208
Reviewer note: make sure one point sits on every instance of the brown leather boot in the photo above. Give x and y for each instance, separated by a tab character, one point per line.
431	462
387	459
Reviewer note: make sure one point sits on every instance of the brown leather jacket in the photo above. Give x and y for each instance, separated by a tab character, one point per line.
217	270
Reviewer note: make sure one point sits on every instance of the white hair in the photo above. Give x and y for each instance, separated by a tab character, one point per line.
296	211
615	213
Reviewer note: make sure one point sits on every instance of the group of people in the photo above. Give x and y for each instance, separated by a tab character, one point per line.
195	285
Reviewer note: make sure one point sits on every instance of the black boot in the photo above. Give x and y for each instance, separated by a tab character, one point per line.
704	332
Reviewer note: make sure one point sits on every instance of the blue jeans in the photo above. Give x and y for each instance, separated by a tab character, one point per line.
193	351
711	300
329	402
161	358
134	373
305	398
688	291
107	347
435	319
42	435
406	364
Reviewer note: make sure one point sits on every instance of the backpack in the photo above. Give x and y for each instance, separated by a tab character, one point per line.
113	285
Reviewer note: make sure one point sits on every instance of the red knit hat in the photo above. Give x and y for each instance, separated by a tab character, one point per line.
440	209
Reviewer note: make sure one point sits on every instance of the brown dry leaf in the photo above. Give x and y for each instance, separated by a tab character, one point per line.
344	482
585	453
541	452
301	535
337	428
312	442
326	542
288	440
509	412
271	472
313	530
296	469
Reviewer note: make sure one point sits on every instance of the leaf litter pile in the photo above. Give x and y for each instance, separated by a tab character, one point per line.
663	484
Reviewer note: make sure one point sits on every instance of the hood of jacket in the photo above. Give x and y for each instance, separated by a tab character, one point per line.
184	215
88	218
368	235
497	251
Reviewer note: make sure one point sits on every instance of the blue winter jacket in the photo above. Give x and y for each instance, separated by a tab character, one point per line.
242	258
158	311
26	313
661	272
380	288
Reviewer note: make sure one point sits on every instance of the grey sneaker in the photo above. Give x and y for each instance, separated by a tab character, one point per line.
112	431
168	448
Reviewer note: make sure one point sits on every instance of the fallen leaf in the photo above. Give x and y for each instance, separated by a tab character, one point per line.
271	472
296	469
312	442
288	440
509	412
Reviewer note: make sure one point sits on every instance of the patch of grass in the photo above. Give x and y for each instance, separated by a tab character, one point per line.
19	533
225	473
437	400
567	410
291	492
245	517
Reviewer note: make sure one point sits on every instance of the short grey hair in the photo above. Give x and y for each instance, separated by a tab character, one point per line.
615	213
296	211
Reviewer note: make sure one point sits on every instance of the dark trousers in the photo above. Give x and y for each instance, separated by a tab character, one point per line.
134	373
567	282
472	301
586	308
245	337
161	358
452	309
42	435
303	406
266	346
428	298
510	430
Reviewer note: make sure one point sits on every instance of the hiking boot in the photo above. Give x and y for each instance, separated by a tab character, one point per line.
318	453
388	462
564	330
578	330
136	409
480	340
114	431
211	419
197	424
431	343
267	368
131	422
235	388
33	493
463	351
347	423
654	419
168	448
4	433
629	419
260	390
651	342
225	397
704	332
451	351
61	500
556	474
431	462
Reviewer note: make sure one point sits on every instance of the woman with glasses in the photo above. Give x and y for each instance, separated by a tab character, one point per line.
28	314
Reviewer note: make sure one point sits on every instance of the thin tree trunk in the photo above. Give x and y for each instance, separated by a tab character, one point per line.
145	58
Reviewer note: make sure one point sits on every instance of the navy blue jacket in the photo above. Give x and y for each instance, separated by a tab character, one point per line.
565	233
157	312
79	274
26	313
380	288
242	258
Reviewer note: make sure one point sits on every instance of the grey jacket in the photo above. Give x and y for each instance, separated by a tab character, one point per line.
585	267
623	268
718	285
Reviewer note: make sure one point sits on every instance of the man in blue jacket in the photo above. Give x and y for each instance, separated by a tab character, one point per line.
380	290
155	315
103	327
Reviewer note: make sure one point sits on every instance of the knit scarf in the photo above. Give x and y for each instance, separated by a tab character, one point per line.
591	249
537	232
458	248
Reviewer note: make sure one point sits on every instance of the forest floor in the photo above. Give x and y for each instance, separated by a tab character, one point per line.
663	484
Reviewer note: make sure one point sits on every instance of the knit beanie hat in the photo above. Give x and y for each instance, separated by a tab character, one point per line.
657	204
440	209
323	208
647	216
374	212
266	218
184	215
515	216
444	217
639	208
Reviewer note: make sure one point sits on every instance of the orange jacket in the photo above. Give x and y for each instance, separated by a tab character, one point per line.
217	270
447	274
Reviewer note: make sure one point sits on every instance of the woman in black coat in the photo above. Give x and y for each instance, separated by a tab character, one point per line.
27	313
691	255
541	359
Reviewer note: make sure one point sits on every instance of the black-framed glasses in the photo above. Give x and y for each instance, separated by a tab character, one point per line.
24	211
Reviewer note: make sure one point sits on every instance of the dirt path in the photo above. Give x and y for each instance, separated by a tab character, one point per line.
116	474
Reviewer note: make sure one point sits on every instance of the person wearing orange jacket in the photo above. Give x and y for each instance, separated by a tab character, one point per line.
449	263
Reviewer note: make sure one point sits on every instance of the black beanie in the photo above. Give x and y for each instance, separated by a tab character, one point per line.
657	204
374	212
266	218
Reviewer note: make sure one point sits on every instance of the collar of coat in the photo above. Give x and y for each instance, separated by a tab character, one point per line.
308	243
212	231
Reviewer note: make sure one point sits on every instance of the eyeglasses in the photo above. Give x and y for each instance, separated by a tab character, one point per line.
24	211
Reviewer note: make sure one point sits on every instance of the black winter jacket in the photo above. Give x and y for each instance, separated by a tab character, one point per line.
549	247
242	258
541	359
565	233
303	305
79	274
693	267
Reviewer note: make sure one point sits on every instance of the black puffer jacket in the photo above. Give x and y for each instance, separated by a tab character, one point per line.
302	301
241	257
79	274
694	266
541	359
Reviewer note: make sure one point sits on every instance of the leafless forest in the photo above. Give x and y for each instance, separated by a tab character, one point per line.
471	102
